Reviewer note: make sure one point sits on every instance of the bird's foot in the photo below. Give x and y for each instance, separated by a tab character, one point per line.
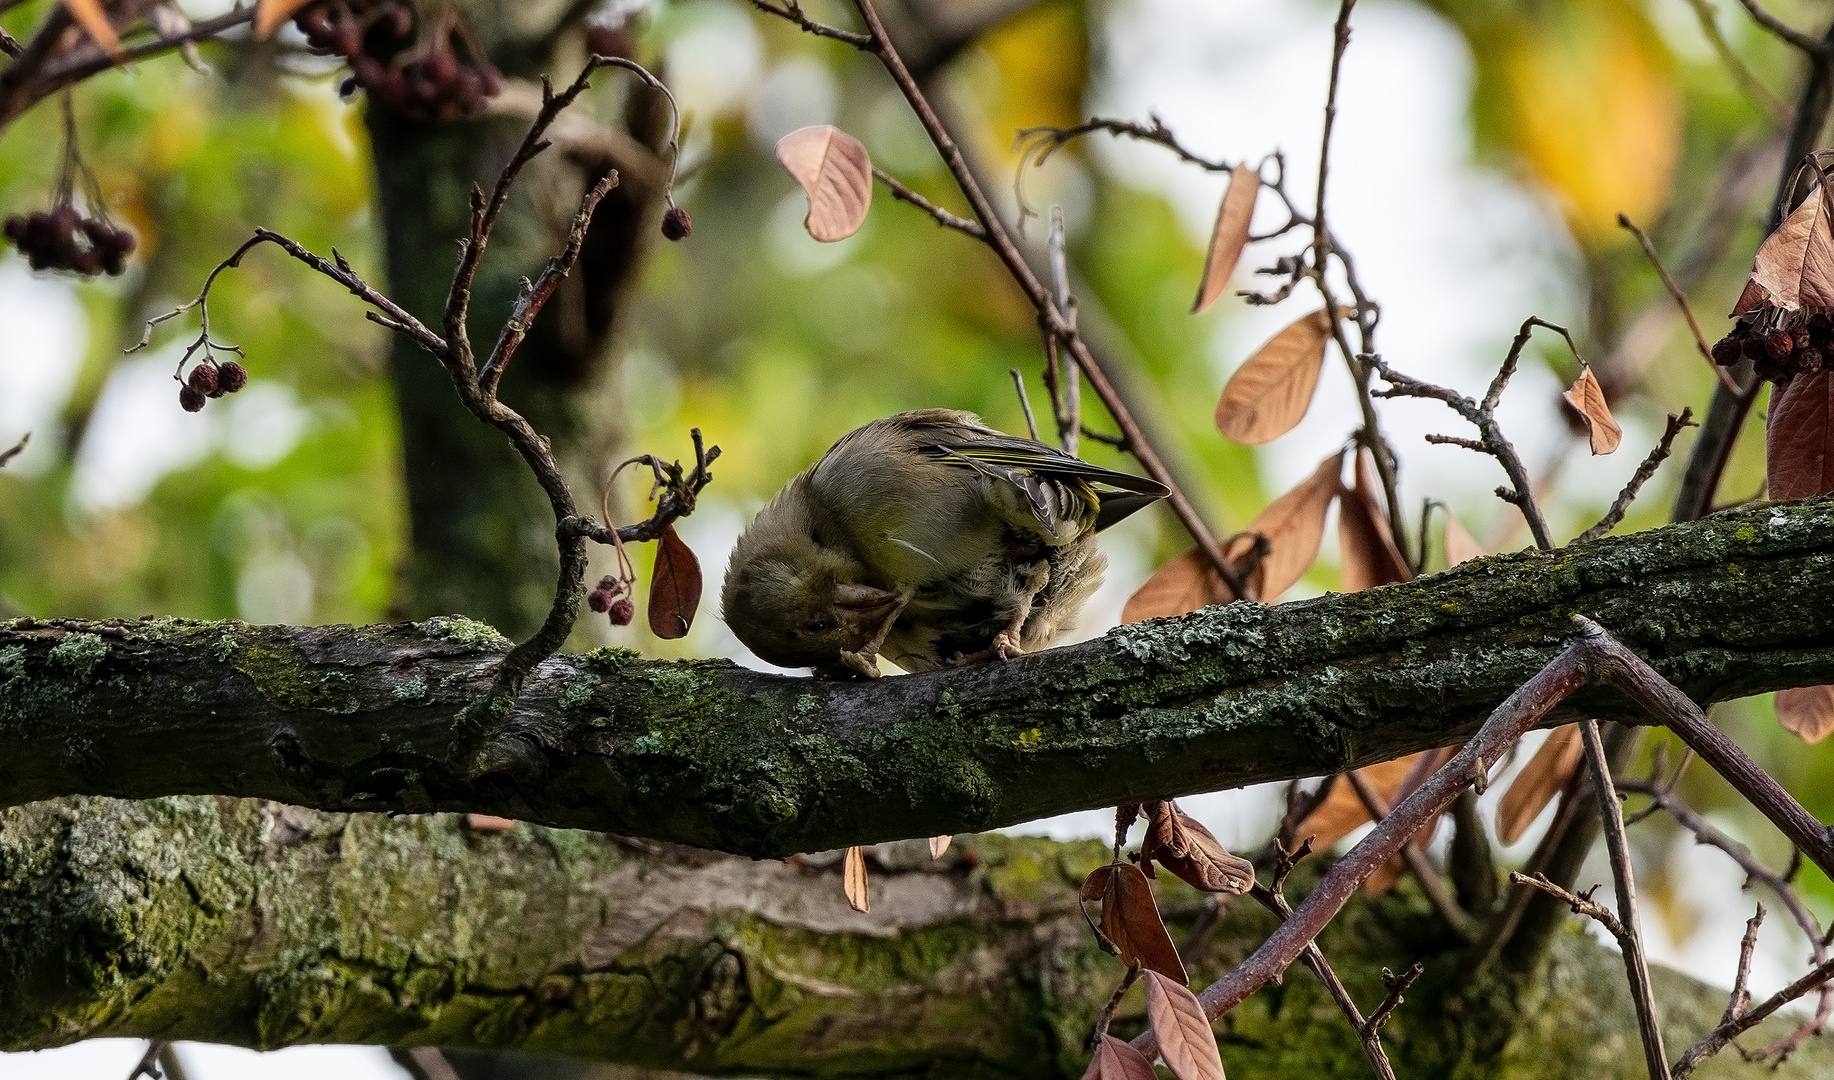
1005	646
864	662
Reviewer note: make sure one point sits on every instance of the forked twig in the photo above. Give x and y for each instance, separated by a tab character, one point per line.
1647	469
1681	300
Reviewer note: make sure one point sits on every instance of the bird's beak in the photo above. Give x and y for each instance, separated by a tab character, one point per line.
863	598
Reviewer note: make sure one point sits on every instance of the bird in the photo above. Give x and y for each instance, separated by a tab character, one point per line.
927	538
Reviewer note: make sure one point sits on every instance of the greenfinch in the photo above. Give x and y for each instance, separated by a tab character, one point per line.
927	538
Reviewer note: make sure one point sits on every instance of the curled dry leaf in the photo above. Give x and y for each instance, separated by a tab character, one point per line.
269	14
1794	267
1370	557
675	586
1115	1060
1589	398
489	823
90	15
1544	777
939	846
836	173
853	879
1807	711
1268	395
1293	526
1186	1041
1130	918
1460	547
1229	236
1799	437
1181	844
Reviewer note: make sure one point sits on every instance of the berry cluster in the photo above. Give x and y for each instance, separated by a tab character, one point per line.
421	80
210	379
1780	344
612	597
61	238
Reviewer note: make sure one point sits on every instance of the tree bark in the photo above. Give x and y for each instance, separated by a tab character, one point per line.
265	925
709	754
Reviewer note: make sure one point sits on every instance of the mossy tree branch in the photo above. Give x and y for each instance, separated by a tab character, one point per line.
265	925
712	755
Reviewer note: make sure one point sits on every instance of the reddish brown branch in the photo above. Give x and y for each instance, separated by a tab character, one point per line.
1431	884
1636	963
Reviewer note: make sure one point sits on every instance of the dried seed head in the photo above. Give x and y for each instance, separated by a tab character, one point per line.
231	377
190	400
676	225
203	379
622	611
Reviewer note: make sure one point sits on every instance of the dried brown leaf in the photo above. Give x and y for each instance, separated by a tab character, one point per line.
675	586
1807	712
1460	547
1589	398
489	823
1115	1060
1186	1041
269	14
836	173
1293	525
1342	811
1799	434
1369	555
1130	919
1179	587
1544	777
1268	395
1794	267
94	21
1229	236
853	879
939	846
1181	844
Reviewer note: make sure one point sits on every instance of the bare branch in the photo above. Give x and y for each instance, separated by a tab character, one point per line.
16	449
1397	987
1637	479
1431	884
1636	962
792	11
943	217
1716	1041
1817	50
1681	300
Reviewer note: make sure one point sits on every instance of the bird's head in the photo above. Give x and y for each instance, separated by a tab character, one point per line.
793	601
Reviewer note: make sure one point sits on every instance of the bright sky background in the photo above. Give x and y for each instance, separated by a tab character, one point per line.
1456	255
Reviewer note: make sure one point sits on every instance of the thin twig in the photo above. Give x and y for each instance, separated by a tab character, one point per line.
1482	415
17	449
1025	404
1681	300
1106	1016
1397	987
1070	417
1637	479
1663	798
1815	48
1431	884
1760	95
942	217
148	1065
792	11
1636	962
1716	1041
1581	903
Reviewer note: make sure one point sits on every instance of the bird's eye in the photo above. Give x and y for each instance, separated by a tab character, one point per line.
820	626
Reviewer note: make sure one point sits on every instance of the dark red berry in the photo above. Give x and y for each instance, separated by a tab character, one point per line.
1778	343
1728	350
676	224
190	400
622	611
203	379
231	377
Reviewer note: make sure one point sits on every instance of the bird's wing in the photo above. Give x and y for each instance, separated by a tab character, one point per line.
1046	476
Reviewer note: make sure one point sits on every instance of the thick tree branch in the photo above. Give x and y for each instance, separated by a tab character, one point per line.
713	755
264	925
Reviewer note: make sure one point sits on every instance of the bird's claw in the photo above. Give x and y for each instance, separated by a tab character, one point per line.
864	663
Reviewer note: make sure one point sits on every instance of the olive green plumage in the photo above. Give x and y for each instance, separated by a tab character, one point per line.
928	538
